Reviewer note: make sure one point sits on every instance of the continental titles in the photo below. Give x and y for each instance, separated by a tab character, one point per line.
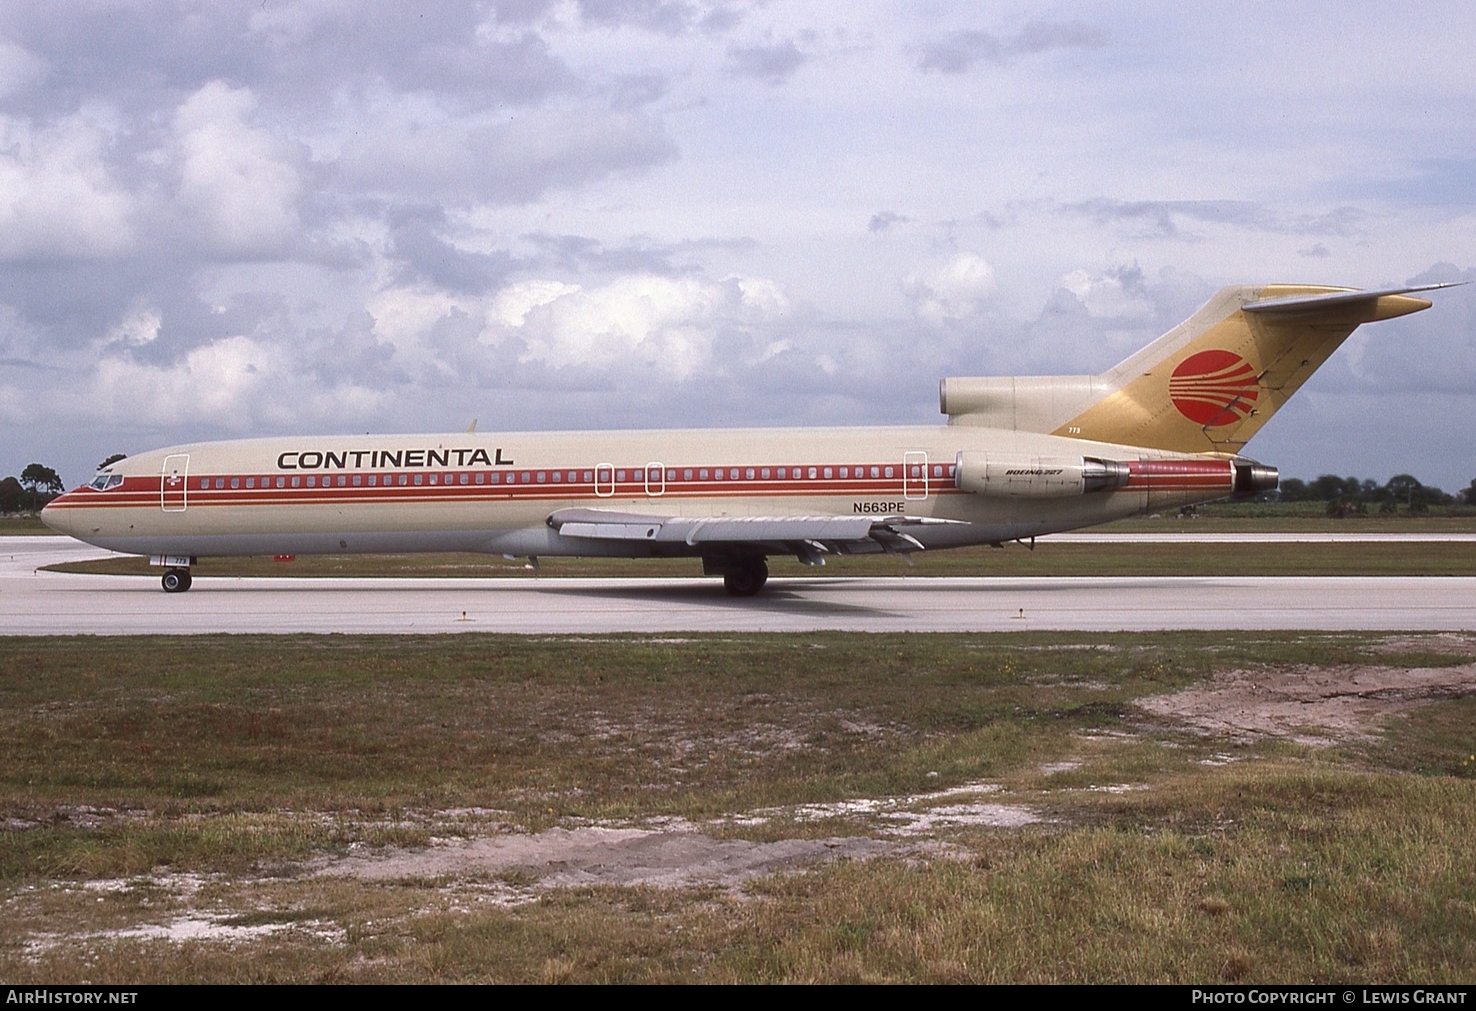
391	459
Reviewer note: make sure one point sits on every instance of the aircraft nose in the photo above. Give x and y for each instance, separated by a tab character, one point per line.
58	517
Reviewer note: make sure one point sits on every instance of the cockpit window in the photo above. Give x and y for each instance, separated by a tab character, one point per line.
104	482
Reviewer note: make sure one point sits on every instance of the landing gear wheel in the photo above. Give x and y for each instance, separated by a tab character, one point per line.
176	580
747	578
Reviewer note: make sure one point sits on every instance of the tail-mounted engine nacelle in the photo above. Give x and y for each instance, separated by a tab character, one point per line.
1252	478
1019	476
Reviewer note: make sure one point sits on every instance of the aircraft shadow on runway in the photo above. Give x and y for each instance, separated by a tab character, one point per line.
779	600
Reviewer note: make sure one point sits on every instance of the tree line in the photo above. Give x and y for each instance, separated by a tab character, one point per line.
37	485
1346	495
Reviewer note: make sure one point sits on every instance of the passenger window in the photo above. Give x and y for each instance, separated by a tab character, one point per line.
845	472
402	479
358	480
481	477
312	481
342	481
251	482
434	478
373	480
875	472
748	474
620	475
204	482
235	482
281	482
542	476
671	475
733	474
588	477
828	472
220	482
951	468
420	478
296	481
916	471
527	477
812	473
497	477
465	479
764	473
687	474
702	474
558	476
889	472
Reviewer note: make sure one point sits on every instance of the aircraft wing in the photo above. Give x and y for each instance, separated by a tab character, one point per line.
802	535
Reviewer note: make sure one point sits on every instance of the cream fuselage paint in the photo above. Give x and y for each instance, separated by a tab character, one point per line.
502	489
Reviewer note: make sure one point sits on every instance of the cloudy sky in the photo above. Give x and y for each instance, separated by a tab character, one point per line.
230	219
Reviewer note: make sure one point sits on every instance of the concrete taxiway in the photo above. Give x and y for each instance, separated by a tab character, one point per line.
33	602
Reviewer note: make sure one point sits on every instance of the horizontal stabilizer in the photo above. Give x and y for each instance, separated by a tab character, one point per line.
1308	303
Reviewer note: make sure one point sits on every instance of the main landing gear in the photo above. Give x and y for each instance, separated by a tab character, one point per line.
746	577
176	580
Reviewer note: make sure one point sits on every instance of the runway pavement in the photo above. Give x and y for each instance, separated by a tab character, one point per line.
48	603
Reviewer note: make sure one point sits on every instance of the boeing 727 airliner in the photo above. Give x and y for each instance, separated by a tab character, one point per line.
1018	458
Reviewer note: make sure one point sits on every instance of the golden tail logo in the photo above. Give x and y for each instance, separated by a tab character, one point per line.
1206	386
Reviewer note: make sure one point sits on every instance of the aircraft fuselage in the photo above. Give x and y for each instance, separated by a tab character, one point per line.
495	493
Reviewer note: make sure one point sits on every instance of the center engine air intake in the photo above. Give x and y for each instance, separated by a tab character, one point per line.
1019	476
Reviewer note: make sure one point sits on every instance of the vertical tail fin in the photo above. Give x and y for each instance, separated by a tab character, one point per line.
1206	386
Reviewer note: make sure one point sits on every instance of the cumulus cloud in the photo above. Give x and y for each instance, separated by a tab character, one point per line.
672	324
957	52
236	180
953	291
139	327
58	196
773	64
1116	294
885	221
19	68
669	17
1176	219
316	215
420	147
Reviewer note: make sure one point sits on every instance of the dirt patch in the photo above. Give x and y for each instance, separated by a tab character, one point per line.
680	854
672	857
1317	706
910	816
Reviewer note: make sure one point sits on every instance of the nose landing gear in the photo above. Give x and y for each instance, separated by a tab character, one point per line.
176	580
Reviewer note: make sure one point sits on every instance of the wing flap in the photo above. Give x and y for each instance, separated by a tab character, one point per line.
695	530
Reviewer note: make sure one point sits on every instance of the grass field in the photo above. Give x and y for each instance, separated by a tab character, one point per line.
910	808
